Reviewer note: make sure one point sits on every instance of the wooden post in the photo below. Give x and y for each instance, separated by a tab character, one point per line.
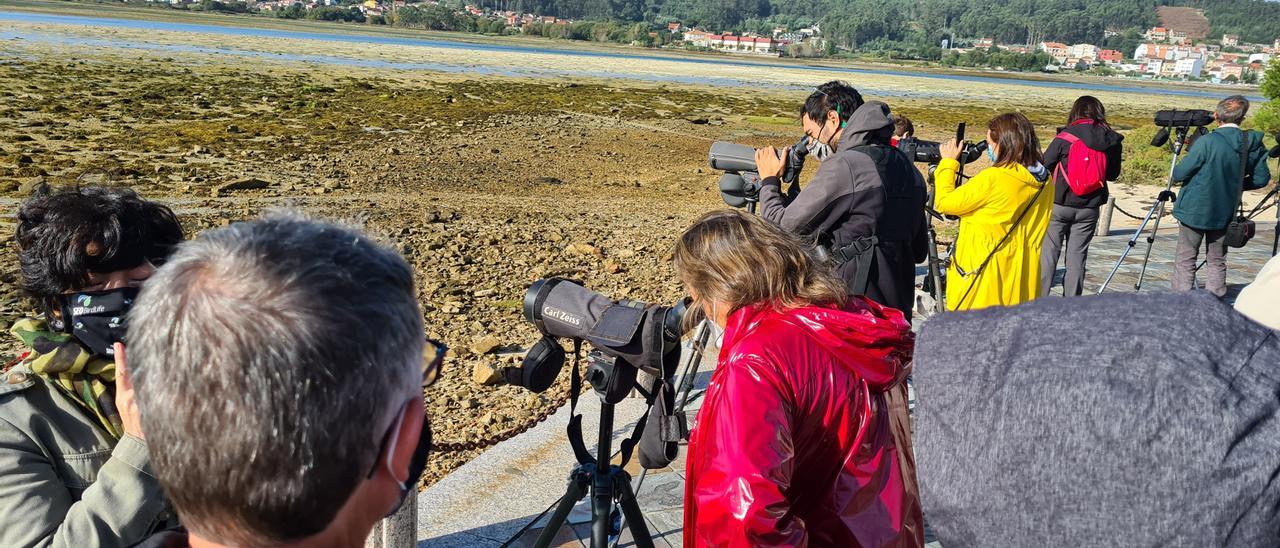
400	530
1104	221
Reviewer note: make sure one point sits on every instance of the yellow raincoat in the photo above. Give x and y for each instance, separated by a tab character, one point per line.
987	206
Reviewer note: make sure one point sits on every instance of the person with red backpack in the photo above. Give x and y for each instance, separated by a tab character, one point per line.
1082	157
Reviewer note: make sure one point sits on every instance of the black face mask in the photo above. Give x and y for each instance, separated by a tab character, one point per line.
417	465
97	319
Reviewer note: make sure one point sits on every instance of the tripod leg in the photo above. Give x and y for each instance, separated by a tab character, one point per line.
698	347
601	510
1176	143
1129	247
577	489
935	270
1151	240
631	509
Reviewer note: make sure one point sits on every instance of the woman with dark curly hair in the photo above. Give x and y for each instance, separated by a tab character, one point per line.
73	464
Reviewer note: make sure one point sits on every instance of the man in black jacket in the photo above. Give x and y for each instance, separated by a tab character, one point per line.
1075	217
865	204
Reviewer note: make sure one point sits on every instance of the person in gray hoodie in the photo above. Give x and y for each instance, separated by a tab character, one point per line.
865	204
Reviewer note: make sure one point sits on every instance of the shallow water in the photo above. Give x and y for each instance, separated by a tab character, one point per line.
107	22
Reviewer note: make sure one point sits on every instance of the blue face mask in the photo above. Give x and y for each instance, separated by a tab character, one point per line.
991	155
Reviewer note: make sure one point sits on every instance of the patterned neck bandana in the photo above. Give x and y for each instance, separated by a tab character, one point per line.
87	380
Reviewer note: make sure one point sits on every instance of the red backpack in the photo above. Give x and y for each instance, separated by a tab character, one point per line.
1085	169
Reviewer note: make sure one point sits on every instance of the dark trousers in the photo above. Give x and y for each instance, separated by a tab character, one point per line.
1184	265
1072	228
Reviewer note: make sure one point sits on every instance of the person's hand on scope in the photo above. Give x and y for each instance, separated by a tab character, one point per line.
770	162
951	149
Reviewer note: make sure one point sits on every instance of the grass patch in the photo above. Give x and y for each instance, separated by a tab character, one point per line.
771	120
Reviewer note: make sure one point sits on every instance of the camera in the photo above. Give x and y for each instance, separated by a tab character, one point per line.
740	183
930	152
1181	121
627	337
640	335
1183	118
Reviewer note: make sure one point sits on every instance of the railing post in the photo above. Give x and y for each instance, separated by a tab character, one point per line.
1104	222
400	530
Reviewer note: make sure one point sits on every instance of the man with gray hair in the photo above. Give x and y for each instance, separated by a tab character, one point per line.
278	368
1213	183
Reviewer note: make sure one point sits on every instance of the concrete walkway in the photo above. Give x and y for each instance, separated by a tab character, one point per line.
1242	264
490	500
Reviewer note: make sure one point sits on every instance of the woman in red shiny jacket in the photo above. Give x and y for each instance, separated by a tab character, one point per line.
794	444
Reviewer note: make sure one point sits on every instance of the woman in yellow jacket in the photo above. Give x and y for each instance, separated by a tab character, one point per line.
1004	208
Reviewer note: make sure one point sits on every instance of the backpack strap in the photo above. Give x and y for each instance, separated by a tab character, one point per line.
1071	140
862	252
1245	141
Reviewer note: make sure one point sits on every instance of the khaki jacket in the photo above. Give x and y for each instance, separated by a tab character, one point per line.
63	480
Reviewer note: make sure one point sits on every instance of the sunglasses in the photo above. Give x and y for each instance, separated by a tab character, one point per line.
433	362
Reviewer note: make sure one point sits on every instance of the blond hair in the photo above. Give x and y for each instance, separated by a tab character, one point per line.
741	260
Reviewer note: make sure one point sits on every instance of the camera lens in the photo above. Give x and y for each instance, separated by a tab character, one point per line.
673	328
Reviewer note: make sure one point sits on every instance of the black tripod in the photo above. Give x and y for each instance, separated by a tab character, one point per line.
1156	212
1262	205
605	482
934	282
1275	239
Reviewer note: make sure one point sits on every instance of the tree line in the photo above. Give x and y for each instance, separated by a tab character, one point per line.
898	29
866	24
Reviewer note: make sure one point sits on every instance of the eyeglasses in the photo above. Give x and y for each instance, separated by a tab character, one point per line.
433	362
432	366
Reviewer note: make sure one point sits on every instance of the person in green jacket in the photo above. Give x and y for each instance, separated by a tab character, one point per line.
74	469
1211	191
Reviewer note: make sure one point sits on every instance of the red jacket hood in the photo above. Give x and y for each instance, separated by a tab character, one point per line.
869	339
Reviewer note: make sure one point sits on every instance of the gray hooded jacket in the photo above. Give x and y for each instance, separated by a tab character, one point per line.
865	188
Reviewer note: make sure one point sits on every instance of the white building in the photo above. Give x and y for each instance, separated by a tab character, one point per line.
1190	68
1154	67
731	43
1154	51
1263	58
1230	40
1084	51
